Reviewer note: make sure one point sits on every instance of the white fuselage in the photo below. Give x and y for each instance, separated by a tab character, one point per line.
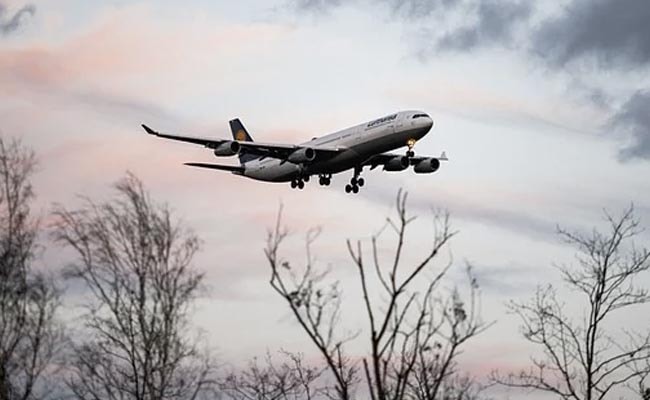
359	143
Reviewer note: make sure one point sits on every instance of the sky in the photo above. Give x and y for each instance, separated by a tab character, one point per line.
542	108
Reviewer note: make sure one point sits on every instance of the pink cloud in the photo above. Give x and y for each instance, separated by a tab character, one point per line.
127	49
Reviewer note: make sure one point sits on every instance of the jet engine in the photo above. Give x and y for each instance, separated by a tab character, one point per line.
302	155
225	149
427	166
398	163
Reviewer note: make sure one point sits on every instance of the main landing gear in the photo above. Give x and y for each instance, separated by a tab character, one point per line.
299	182
355	183
324	179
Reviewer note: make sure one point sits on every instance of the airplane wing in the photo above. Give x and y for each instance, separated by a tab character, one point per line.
210	143
231	168
383	158
274	150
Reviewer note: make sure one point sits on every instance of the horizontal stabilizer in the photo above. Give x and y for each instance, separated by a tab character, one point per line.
231	168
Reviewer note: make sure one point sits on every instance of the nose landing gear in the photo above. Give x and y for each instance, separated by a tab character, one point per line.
410	143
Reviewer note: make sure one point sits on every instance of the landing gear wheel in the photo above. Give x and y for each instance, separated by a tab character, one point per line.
348	188
324	180
356	182
410	153
294	184
305	178
301	184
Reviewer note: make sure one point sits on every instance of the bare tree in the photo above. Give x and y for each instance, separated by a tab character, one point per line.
583	359
414	336
135	262
446	324
292	379
30	336
316	306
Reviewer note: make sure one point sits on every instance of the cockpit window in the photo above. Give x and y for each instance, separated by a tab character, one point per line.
420	116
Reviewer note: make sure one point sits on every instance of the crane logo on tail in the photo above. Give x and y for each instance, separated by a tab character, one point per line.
240	135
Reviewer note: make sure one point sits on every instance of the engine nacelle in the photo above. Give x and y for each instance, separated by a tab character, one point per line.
399	163
302	155
226	149
427	166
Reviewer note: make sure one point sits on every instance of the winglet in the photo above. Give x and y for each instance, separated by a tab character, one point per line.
443	156
149	130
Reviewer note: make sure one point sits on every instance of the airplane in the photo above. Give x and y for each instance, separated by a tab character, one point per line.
353	148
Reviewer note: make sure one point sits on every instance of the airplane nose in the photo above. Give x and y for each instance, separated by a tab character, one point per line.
429	122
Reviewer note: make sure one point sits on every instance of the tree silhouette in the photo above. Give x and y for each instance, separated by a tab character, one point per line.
414	336
136	265
30	336
585	359
269	380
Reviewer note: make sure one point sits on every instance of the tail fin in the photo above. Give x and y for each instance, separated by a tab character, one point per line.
241	134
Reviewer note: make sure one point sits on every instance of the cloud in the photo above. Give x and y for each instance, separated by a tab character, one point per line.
494	20
316	6
634	119
495	24
115	65
606	35
52	78
503	280
10	24
610	36
419	8
403	8
125	107
460	206
609	32
612	32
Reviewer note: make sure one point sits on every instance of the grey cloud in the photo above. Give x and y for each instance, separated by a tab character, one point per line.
314	5
535	227
605	34
418	8
613	32
634	118
610	32
495	20
591	94
123	108
506	280
495	24
8	23
406	8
